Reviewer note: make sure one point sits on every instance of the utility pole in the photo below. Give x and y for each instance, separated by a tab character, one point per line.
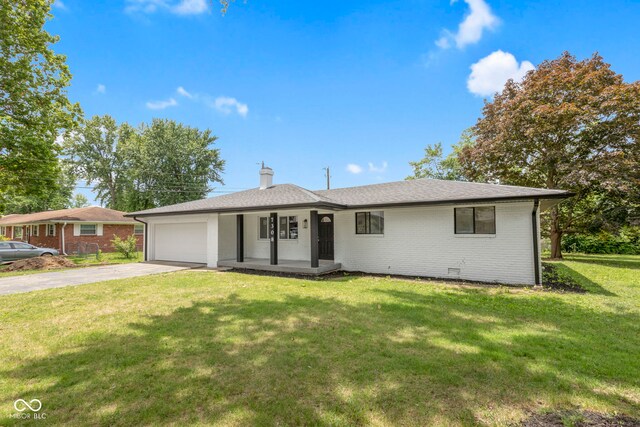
328	177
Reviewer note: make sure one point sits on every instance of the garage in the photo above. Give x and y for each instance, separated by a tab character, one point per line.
184	242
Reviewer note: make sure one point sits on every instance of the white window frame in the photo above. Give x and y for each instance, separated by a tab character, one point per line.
47	231
35	230
16	235
3	230
95	230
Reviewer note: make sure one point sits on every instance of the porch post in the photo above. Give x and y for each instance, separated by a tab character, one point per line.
314	238
273	237
240	238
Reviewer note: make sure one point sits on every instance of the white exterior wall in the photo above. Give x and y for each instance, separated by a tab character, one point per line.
421	242
417	241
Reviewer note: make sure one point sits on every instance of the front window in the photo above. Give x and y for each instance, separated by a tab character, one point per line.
3	231
264	227
370	222
17	232
35	230
479	220
51	229
138	229
288	227
88	229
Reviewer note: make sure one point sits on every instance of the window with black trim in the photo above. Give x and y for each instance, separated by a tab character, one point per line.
263	226
138	229
288	227
477	220
370	222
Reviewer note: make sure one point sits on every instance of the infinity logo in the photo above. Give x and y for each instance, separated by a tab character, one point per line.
22	405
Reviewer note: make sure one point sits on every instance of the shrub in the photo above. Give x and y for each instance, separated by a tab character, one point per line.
625	242
99	255
126	247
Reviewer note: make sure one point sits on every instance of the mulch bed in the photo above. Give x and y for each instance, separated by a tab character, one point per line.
553	281
579	419
39	263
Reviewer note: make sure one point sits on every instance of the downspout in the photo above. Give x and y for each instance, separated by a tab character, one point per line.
62	235
146	228
536	252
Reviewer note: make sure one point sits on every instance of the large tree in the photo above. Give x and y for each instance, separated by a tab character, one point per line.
57	196
172	163
34	108
569	124
96	150
154	165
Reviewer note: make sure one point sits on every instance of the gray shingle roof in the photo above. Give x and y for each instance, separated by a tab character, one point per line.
419	191
277	195
431	191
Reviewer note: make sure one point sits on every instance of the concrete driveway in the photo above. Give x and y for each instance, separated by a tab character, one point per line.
81	276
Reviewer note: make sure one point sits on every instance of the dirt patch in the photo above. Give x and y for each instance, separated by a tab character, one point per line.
40	263
579	419
553	280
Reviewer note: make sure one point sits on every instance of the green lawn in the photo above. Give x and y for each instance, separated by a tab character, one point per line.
203	347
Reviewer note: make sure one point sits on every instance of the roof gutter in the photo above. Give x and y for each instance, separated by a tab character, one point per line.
536	250
144	250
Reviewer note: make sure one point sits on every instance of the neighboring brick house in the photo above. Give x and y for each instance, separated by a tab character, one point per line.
70	229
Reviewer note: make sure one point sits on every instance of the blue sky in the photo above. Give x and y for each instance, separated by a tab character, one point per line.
358	86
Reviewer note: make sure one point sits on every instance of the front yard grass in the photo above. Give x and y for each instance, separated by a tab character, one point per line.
202	347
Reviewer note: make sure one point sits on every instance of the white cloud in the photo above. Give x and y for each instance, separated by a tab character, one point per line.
58	4
373	168
161	105
191	7
479	19
183	92
226	105
179	7
489	75
354	169
101	88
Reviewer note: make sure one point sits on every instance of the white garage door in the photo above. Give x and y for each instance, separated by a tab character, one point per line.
185	242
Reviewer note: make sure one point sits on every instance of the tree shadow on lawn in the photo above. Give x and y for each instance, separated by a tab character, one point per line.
572	278
408	358
618	261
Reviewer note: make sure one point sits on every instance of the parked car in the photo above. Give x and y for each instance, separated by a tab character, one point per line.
12	251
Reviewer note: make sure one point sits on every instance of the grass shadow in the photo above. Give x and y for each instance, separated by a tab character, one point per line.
571	275
407	358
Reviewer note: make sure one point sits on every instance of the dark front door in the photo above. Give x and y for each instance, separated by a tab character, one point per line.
325	236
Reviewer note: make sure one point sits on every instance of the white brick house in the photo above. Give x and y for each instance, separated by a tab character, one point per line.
431	228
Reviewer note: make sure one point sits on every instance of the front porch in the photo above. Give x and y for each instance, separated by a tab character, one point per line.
283	266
